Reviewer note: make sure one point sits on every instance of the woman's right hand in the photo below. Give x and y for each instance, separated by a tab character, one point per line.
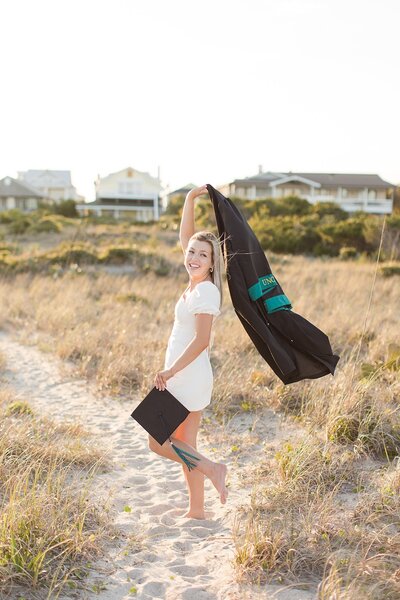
199	191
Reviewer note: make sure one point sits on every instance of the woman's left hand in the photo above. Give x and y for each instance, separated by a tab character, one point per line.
160	380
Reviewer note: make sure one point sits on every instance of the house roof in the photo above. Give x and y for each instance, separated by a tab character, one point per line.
182	190
324	179
144	175
37	176
347	179
13	187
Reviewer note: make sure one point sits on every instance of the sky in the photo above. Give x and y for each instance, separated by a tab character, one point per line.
206	91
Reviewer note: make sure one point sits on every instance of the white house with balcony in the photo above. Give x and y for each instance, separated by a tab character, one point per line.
54	185
128	193
352	192
17	195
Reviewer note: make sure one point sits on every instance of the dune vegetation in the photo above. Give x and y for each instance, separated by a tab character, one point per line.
324	509
51	526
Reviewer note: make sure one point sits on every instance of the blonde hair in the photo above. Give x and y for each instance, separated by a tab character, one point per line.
216	256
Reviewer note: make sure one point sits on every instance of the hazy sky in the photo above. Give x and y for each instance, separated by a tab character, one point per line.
208	90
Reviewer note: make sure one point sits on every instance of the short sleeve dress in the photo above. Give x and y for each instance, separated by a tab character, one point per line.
193	384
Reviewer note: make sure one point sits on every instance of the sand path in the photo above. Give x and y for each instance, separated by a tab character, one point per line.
180	558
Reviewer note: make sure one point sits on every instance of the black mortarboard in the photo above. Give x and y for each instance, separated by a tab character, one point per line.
160	413
293	347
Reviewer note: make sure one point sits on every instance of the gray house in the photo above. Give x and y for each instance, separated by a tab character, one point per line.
15	194
366	192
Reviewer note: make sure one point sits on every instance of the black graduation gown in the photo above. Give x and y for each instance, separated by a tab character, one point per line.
293	347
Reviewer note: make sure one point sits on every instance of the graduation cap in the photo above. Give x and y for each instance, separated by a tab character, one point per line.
293	347
160	413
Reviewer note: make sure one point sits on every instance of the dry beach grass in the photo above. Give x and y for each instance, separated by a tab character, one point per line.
322	513
50	527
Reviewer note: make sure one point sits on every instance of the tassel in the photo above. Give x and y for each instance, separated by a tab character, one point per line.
181	453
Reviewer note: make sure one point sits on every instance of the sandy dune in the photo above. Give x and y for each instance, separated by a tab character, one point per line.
180	558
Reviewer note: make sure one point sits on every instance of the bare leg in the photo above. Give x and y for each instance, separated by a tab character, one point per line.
187	431
216	472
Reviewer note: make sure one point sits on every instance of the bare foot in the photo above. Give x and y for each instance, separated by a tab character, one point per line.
218	480
195	515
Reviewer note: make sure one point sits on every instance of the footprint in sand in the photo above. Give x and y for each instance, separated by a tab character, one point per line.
162	530
189	570
206	524
136	574
167	520
159	509
145	557
182	546
197	593
200	532
154	589
137	480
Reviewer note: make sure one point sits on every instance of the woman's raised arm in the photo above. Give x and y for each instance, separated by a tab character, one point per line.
187	229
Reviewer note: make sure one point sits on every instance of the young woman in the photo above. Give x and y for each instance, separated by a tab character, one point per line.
187	370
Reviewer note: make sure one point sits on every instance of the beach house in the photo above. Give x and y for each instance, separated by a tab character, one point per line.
54	185
17	195
128	193
351	191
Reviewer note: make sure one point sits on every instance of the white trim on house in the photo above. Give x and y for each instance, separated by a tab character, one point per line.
276	182
115	210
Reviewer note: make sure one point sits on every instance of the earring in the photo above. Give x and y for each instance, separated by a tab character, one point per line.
211	270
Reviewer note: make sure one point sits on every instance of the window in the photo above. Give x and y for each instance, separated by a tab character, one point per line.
132	188
31	203
355	193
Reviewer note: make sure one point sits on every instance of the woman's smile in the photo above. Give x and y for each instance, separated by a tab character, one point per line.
198	259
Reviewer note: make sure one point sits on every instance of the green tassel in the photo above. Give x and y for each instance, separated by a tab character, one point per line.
181	453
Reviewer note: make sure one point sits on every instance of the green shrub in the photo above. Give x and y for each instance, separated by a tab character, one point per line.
324	248
347	252
323	209
67	208
45	225
19	407
344	429
290	205
8	216
7	249
286	234
175	205
162	267
19	225
74	255
390	270
118	255
344	233
131	297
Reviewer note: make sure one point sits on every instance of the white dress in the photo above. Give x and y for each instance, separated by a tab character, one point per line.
193	384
